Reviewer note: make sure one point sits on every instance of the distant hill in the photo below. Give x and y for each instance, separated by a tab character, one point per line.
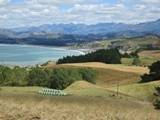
132	44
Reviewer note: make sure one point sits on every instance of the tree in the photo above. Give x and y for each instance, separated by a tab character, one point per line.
38	77
62	78
154	73
88	74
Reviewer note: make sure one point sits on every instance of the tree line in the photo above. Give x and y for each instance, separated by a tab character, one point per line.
110	56
57	78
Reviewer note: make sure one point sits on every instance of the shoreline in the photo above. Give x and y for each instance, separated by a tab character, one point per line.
46	46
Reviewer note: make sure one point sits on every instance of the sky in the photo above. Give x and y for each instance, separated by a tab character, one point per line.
21	13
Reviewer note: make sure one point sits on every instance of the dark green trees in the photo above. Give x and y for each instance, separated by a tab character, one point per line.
154	73
110	56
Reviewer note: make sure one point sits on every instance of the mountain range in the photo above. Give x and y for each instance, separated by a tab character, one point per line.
60	34
101	28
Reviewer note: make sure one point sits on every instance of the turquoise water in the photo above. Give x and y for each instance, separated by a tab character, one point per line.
31	55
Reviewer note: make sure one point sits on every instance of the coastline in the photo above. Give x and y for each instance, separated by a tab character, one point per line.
82	51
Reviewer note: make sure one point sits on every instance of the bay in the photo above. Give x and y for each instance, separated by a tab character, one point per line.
31	55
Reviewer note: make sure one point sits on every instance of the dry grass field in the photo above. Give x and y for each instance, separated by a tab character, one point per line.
34	107
85	101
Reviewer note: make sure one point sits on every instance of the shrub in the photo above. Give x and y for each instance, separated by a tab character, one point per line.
156	103
154	73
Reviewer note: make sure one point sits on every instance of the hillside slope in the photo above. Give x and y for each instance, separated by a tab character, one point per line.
108	75
123	68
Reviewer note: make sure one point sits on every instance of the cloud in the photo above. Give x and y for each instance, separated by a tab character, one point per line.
4	2
55	2
151	1
37	12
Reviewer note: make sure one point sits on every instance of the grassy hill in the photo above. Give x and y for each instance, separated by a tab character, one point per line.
126	76
143	91
109	74
84	88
